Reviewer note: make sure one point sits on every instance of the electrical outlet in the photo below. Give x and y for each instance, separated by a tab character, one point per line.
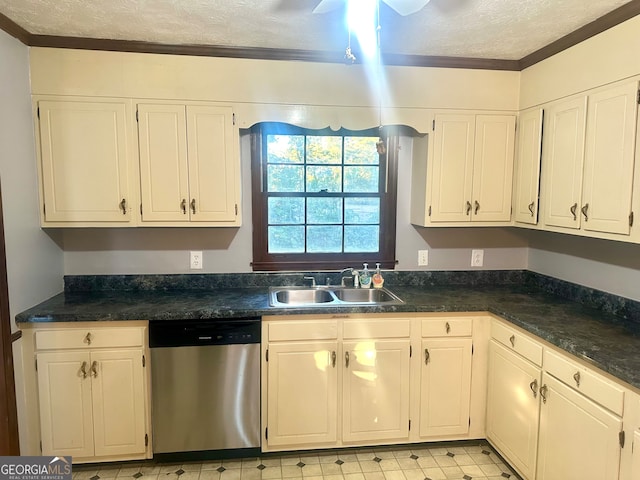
196	260
477	258
423	258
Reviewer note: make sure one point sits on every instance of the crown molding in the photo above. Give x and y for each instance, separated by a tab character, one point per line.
13	29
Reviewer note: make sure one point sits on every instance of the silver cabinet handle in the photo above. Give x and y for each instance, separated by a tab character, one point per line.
193	205
333	359
512	339
183	206
531	208
427	355
572	209
584	211
447	327
468	207
346	359
576	377
543	393
87	338
83	369
534	388
476	207
94	369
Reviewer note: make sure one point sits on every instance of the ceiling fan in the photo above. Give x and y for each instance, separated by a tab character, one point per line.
403	7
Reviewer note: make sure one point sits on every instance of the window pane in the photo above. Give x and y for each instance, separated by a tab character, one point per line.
324	149
285	148
362	210
361	150
324	178
324	239
361	179
365	238
286	210
285	178
324	210
286	239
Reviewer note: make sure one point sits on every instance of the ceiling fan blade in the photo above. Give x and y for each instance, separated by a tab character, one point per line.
326	6
406	7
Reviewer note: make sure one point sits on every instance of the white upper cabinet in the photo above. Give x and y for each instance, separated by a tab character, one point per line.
527	176
189	169
589	162
469	171
85	161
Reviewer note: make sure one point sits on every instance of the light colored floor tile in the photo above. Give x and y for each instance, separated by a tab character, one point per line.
190	475
271	462
290	460
271	473
394	475
112	471
475	448
457	450
291	471
213	465
310	459
473	471
333	477
369	466
492	469
328	458
191	466
331	469
421	452
481	458
231	474
434	473
384	453
124	472
350	467
250	462
165	468
209	475
365	456
389	464
312	470
251	473
407	463
438	451
463	459
354	476
452	472
427	462
416	474
445	461
374	475
348	457
319	477
232	464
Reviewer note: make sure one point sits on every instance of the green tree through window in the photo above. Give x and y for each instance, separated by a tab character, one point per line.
321	199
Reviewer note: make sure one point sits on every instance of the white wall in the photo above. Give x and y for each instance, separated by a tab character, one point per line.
229	250
34	261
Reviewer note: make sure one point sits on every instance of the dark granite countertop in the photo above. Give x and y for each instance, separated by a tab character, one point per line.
606	336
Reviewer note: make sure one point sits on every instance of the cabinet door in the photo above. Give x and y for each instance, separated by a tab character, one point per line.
528	169
452	168
84	152
375	390
563	156
445	386
213	163
164	175
117	381
302	398
609	159
493	168
578	438
64	390
513	408
635	462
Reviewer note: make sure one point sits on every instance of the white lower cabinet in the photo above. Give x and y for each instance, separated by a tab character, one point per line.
578	438
513	407
92	398
635	463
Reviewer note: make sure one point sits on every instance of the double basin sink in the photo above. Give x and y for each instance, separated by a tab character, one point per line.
330	296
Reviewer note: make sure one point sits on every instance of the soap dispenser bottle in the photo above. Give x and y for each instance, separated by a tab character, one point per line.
377	279
365	277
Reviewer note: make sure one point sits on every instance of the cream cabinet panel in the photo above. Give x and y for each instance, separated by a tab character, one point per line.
375	390
452	167
445	386
563	156
609	159
513	408
164	175
117	382
635	462
302	393
493	168
528	166
85	161
578	438
64	390
212	164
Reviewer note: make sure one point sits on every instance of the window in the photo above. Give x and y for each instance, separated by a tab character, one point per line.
322	199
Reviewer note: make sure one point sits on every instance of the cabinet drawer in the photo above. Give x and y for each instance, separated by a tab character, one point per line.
447	327
302	330
379	328
89	338
518	342
589	383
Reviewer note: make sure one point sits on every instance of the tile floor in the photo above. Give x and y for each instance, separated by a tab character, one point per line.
470	461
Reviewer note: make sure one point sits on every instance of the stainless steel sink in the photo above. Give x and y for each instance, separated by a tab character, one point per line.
330	296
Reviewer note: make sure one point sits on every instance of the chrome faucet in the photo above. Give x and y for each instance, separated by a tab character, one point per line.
313	280
350	276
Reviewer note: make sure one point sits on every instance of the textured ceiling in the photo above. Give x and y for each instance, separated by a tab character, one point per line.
497	29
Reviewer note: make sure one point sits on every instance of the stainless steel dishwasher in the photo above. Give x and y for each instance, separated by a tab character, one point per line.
205	387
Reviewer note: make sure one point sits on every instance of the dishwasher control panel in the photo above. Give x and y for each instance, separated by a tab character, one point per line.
184	333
